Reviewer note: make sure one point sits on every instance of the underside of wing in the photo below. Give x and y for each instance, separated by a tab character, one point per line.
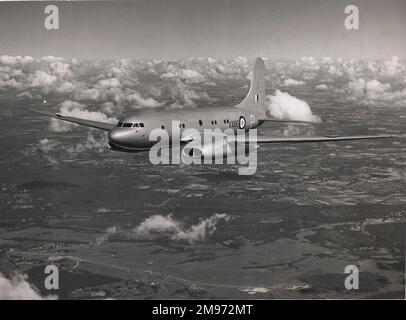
301	139
89	123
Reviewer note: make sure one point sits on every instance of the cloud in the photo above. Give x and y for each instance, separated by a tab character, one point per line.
60	69
322	86
47	145
66	87
87	94
18	288
108	83
166	227
95	141
53	151
183	95
42	79
293	82
141	102
392	67
11	60
187	75
284	106
374	86
356	86
119	86
76	109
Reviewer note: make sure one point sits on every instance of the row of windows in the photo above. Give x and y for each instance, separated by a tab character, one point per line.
141	125
213	122
129	125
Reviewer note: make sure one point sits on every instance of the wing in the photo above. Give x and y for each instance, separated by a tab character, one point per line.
286	121
89	123
301	139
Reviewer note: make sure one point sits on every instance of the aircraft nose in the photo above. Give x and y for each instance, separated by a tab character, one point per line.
117	136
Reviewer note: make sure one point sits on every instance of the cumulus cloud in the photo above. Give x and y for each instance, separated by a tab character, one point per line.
183	95
76	109
11	60
284	106
92	94
118	86
374	86
356	86
66	87
322	86
392	67
95	141
374	92
109	83
42	79
142	102
166	227
53	151
18	288
293	82
47	145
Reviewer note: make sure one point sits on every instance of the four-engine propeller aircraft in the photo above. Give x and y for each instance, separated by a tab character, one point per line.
132	132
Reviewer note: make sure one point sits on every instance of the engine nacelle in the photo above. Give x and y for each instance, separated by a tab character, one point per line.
215	150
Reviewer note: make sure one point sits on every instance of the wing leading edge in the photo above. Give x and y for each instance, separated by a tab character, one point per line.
89	123
301	139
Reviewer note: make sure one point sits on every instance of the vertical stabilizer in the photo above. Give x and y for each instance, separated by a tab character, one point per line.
255	99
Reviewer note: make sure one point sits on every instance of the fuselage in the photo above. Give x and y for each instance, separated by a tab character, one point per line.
133	131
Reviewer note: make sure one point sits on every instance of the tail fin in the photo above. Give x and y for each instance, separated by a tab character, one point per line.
255	98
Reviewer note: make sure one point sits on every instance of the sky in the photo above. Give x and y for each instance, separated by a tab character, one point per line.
164	29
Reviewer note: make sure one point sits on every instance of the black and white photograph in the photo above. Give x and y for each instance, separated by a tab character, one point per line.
203	150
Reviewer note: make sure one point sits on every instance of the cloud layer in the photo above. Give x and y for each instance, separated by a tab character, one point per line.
104	90
119	86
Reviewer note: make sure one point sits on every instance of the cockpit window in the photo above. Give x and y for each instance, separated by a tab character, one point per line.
119	124
136	125
127	125
141	125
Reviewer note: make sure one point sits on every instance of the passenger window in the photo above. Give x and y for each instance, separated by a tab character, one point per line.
127	125
228	121
183	125
162	127
215	121
200	122
256	97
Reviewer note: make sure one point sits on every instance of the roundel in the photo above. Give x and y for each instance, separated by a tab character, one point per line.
242	122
